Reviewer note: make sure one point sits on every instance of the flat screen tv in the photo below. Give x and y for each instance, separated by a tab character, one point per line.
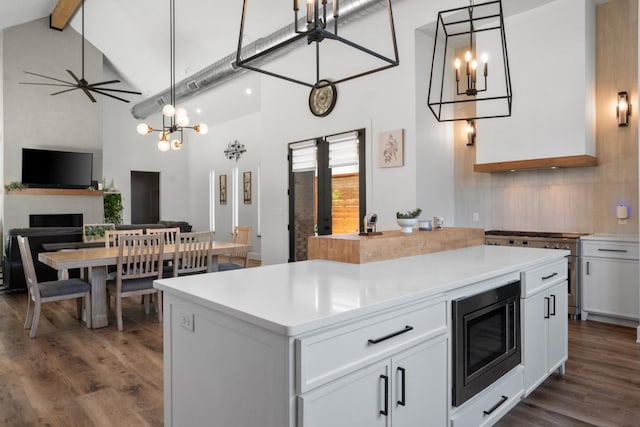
56	169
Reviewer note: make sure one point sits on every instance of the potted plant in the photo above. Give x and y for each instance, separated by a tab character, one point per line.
113	208
408	220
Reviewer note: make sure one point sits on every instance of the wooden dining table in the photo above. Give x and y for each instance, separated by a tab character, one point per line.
96	260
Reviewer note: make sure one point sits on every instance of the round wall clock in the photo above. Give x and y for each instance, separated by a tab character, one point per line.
323	98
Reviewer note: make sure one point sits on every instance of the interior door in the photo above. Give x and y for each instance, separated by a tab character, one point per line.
145	197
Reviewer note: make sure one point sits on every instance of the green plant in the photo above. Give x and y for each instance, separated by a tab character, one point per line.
15	185
409	214
113	208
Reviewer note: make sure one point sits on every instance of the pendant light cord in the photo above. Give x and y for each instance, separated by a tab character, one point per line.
172	50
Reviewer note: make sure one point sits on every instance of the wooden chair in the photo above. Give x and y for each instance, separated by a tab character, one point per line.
194	253
241	235
137	267
168	233
112	237
55	290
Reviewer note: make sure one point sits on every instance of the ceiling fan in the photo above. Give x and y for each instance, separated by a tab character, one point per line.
81	83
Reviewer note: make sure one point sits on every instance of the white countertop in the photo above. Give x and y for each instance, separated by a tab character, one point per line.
295	298
623	238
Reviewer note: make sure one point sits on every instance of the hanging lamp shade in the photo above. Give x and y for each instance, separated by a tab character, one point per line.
470	77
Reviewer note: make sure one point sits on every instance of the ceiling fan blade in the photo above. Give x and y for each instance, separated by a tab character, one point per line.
47	77
48	84
116	90
109	95
66	90
108	82
75	78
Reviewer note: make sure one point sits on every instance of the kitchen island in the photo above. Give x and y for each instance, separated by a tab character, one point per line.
315	343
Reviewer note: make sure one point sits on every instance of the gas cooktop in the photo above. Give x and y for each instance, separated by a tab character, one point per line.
540	234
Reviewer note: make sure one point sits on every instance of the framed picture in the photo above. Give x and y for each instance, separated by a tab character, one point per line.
391	149
95	232
246	185
223	189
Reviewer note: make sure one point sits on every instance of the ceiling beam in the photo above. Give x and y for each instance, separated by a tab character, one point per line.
62	13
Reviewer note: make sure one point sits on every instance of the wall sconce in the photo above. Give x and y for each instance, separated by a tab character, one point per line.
471	132
623	110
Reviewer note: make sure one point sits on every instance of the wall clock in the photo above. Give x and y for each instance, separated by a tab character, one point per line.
323	98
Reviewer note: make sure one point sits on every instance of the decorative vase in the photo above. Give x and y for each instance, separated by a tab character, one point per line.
407	224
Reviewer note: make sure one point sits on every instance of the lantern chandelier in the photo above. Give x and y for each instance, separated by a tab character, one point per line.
321	22
174	120
474	29
234	150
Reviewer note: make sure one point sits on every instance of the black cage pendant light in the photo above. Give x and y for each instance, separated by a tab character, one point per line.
81	83
319	24
462	86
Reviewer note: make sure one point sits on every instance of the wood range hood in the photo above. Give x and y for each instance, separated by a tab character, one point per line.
544	163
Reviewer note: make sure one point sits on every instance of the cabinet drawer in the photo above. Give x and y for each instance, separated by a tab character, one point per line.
489	406
606	249
542	277
331	354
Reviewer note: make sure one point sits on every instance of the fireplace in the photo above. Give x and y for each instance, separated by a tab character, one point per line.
486	339
56	220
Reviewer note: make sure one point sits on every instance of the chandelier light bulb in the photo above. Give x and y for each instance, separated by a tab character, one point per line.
467	56
456	64
181	112
143	129
176	144
182	120
163	145
201	128
169	110
474	64
484	58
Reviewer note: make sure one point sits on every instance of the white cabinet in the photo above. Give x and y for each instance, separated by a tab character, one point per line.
544	319
610	280
409	386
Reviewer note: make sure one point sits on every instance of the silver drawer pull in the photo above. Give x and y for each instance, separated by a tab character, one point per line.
613	250
394	334
549	276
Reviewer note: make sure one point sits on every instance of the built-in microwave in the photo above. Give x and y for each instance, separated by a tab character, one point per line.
486	340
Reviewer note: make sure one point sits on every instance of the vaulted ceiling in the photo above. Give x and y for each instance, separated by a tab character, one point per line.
134	35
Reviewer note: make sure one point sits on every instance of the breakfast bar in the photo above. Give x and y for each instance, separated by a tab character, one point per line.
320	342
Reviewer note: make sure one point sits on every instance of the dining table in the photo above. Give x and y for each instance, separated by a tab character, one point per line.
97	261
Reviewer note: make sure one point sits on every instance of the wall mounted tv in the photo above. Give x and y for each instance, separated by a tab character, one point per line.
56	169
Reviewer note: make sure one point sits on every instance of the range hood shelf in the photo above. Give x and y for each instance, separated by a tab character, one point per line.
546	163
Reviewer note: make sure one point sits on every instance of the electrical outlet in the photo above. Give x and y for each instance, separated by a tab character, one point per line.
186	320
476	217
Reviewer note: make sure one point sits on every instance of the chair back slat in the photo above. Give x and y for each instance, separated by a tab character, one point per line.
140	256
29	269
168	233
194	252
112	237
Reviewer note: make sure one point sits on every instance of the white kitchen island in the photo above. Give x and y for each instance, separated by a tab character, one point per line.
287	345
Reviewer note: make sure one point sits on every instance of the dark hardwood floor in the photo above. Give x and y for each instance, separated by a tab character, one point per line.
72	376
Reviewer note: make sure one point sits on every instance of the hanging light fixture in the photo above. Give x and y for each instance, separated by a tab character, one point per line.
174	120
319	24
234	150
81	83
471	33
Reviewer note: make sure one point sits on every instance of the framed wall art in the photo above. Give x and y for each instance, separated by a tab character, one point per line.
246	185
391	149
223	189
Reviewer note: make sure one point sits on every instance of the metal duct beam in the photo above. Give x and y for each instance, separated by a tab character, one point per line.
225	69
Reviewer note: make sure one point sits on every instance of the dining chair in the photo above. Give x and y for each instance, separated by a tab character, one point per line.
112	237
241	235
169	235
193	254
55	290
137	267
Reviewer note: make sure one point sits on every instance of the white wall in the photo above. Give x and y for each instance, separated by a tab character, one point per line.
553	90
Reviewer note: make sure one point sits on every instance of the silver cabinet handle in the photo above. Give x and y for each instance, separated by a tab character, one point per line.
613	250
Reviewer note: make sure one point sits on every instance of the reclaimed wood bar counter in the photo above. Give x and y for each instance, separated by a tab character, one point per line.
357	249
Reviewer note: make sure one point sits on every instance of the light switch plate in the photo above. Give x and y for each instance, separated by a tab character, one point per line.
186	320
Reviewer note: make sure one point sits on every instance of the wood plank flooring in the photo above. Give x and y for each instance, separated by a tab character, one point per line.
72	376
